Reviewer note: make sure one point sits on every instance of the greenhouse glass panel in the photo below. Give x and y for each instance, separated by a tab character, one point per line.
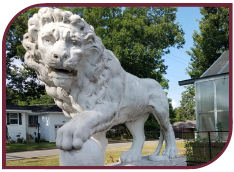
222	94
223	117
205	97
205	106
222	100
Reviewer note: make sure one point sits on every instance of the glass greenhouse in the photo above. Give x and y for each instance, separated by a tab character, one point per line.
212	97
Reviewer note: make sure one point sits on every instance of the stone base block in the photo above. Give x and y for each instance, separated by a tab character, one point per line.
180	161
89	155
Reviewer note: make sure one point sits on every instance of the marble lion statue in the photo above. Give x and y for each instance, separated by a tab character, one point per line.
88	83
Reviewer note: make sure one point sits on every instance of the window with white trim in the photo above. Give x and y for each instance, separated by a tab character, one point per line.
14	118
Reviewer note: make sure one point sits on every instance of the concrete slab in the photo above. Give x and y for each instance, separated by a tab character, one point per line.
181	161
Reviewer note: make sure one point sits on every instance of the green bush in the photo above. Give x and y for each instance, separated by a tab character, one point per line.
12	141
197	149
42	140
20	140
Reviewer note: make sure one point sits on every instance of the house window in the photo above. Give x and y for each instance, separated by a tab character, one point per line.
32	120
14	118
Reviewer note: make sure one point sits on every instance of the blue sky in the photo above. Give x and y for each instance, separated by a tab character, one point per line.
178	60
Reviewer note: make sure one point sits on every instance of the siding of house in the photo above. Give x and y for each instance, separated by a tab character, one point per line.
48	123
17	131
184	135
44	121
47	120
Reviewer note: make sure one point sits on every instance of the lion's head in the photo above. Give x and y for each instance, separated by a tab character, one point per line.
56	41
62	48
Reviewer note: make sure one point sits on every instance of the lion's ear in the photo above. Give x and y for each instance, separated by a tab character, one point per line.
74	19
58	15
33	27
91	27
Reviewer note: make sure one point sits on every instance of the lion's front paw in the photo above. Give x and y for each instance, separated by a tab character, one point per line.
130	156
69	137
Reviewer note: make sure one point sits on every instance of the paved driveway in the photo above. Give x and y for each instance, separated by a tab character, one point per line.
38	153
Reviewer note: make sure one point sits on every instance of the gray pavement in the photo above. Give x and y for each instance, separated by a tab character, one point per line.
38	153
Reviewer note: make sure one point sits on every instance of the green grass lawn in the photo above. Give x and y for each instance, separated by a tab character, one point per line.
29	146
112	155
35	146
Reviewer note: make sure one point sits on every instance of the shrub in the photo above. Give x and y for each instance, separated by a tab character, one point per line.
20	140
12	141
197	149
42	140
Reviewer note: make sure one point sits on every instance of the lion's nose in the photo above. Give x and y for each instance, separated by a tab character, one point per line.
60	56
55	56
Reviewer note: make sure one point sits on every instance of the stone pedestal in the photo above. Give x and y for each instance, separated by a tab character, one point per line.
89	155
181	161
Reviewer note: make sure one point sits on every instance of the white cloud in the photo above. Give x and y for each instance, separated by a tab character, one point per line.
174	104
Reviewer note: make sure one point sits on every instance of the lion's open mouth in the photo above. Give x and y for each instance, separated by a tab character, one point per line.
61	73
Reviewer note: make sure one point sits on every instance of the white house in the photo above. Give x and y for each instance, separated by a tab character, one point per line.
23	120
212	96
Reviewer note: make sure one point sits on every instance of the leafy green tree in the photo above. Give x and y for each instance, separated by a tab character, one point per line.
186	110
177	114
172	113
22	84
211	41
43	100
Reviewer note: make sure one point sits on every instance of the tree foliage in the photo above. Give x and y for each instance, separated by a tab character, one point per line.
211	41
22	83
138	36
186	110
43	100
172	114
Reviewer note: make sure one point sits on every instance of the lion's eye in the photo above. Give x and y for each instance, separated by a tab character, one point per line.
48	40
76	43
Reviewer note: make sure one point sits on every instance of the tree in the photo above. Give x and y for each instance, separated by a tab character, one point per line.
22	84
186	110
172	114
212	40
43	100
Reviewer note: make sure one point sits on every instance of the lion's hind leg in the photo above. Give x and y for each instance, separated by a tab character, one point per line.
136	128
160	110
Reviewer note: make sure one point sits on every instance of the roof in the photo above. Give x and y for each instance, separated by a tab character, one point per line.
219	67
186	124
191	81
53	108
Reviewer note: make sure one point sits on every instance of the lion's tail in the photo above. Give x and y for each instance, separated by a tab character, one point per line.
161	139
160	143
